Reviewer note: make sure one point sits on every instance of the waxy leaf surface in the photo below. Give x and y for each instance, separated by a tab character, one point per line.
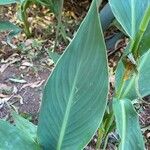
75	95
129	13
11	138
127	125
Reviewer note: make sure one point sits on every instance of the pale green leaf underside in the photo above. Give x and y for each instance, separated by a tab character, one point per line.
74	98
129	13
11	138
136	86
127	125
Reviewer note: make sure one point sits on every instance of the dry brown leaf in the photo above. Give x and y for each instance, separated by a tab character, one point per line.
5	65
28	64
33	84
4	100
3	96
19	98
4	88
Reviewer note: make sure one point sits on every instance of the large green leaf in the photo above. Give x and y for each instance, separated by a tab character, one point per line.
74	98
129	13
136	86
11	138
127	125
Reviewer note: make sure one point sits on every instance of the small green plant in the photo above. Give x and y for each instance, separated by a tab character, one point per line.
8	26
74	101
56	6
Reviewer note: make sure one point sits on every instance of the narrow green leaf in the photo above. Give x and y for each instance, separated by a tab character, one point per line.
75	95
8	26
53	5
54	56
136	85
7	2
144	74
128	125
145	42
129	13
11	138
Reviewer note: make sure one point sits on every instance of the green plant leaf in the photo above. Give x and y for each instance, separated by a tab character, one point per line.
54	56
53	5
145	42
129	13
13	139
75	95
25	126
7	2
8	26
136	85
127	125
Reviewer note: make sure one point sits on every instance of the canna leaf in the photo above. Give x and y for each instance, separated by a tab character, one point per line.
127	125
75	95
136	85
7	2
145	42
11	138
129	13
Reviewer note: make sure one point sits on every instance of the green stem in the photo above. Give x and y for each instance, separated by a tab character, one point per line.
105	143
104	129
59	23
143	26
100	137
24	16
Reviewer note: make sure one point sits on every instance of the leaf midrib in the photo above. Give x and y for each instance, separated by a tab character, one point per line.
123	132
67	112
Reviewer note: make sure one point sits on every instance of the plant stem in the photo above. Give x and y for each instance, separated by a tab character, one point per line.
59	23
24	6
100	137
143	26
105	143
104	129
